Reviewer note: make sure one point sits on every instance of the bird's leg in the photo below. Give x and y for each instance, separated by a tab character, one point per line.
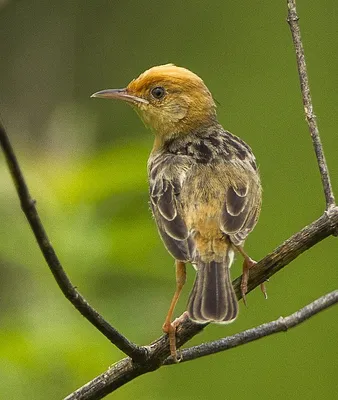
247	264
168	326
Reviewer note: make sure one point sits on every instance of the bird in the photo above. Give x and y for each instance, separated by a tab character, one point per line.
204	187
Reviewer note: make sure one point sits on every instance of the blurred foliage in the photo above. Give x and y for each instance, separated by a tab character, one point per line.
85	162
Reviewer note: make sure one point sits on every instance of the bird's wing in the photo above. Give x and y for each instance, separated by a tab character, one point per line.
165	182
241	206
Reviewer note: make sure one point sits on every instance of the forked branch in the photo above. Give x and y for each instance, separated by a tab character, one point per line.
148	358
158	352
124	370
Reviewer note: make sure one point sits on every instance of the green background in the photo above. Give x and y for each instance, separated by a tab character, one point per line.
85	162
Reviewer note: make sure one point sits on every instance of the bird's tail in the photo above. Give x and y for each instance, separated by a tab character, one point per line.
213	298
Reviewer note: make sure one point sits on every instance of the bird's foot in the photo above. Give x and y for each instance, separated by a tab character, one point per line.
170	328
263	289
247	265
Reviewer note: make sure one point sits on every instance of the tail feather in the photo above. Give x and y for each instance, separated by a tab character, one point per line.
213	298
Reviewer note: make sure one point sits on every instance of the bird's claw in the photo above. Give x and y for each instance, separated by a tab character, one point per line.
247	265
263	289
170	328
244	286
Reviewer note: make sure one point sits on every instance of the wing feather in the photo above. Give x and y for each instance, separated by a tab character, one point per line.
240	211
165	188
166	202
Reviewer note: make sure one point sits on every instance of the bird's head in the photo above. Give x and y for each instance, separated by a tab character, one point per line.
171	100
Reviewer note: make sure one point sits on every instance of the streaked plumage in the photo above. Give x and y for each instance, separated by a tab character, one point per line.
205	195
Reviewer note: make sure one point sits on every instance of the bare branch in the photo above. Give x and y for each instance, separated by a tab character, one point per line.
125	371
326	225
307	102
280	325
149	358
29	208
155	354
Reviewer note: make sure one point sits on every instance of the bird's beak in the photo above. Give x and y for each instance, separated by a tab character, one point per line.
120	94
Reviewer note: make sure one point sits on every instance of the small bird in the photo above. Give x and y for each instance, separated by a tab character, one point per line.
204	187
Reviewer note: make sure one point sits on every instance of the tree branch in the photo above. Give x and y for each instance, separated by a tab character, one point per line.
124	371
28	206
326	225
279	325
148	358
307	102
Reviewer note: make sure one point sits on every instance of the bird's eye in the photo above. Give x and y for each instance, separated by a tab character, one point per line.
158	92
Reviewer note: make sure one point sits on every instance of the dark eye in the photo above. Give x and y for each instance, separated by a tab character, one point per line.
158	92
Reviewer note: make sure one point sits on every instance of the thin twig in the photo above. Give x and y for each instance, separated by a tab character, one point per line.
307	102
280	325
29	208
125	371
